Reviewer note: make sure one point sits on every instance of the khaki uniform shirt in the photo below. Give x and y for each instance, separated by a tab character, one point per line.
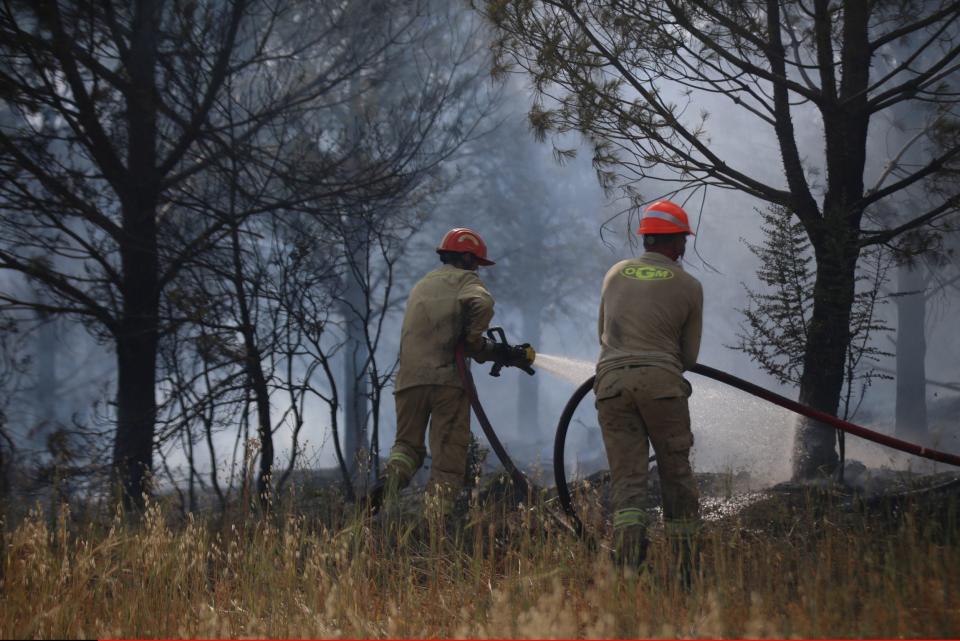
448	305
651	313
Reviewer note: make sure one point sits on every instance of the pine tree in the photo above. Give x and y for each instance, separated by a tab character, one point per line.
777	319
778	316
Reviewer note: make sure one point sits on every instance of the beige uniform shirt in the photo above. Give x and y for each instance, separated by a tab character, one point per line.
447	305
651	313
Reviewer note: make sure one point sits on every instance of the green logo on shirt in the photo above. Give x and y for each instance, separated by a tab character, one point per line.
646	272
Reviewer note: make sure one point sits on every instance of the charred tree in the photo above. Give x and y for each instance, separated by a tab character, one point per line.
354	304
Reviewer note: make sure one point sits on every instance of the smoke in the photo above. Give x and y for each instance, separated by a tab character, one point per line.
733	431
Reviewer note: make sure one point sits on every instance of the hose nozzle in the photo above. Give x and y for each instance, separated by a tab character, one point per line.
507	355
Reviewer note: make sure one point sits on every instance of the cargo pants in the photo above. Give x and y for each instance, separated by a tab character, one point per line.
636	406
447	409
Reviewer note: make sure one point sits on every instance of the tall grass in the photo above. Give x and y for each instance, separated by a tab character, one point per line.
809	571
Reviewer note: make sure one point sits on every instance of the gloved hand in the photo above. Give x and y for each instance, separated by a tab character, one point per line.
490	351
503	354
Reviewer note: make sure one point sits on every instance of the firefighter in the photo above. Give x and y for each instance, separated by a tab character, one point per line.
448	306
651	317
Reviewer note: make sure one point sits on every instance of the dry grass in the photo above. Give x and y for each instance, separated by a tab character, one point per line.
807	571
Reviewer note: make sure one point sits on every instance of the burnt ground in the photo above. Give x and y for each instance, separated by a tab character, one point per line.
882	496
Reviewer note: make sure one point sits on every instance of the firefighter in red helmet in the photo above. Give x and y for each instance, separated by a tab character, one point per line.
448	306
651	319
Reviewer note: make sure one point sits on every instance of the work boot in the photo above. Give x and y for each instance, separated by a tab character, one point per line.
630	547
440	499
685	553
374	499
683	535
383	499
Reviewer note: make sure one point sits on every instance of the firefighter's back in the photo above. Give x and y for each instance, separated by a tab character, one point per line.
650	314
433	323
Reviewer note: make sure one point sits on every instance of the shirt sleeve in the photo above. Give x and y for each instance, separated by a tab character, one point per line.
603	290
692	331
600	322
476	304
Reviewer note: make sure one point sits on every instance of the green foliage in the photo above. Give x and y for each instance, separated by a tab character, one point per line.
863	353
777	317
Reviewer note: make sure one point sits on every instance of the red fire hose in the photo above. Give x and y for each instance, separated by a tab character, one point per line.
728	379
521	485
823	417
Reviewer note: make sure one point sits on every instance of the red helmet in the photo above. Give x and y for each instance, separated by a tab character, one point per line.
664	217
463	240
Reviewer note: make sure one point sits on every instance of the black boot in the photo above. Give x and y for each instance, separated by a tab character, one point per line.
685	553
630	547
374	499
384	492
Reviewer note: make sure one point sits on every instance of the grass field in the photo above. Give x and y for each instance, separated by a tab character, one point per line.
796	566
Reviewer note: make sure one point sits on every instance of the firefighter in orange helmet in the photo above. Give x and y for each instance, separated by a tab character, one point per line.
651	318
448	306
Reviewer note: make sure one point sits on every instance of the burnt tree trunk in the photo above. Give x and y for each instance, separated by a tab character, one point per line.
355	307
137	333
137	341
825	358
253	364
261	395
45	390
835	231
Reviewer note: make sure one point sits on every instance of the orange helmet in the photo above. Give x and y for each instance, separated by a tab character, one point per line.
463	240
664	217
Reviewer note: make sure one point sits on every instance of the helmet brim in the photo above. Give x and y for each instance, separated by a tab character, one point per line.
653	226
480	260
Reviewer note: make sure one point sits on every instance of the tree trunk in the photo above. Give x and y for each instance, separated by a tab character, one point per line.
261	395
911	413
137	342
834	235
192	474
824	361
254	370
355	307
137	334
356	389
45	390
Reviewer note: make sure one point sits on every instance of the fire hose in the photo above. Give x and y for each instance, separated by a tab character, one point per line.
521	485
559	471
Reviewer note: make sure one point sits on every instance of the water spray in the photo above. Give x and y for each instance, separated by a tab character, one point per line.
563	425
575	370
